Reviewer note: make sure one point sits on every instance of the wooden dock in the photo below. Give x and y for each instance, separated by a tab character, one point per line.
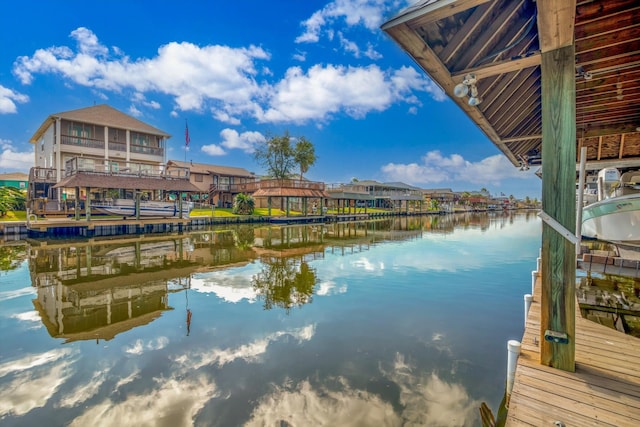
603	391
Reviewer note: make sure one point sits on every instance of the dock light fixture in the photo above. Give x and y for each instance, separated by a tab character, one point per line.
468	87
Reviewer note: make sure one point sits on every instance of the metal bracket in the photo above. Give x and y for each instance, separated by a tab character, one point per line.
558	227
556	337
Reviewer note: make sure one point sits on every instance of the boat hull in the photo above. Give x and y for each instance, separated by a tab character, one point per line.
147	208
613	220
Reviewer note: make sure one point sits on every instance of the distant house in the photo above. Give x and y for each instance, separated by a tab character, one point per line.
217	184
444	198
390	195
15	180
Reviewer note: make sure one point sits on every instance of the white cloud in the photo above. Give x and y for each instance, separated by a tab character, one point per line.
303	405
36	377
225	117
83	391
353	48
213	150
140	346
250	352
435	169
365	13
8	99
31	317
429	400
190	73
17	293
300	56
245	141
226	285
226	80
169	402
326	90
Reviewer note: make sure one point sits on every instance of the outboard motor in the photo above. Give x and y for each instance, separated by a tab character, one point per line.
608	181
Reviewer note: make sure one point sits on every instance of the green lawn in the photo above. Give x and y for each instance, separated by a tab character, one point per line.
14	216
217	212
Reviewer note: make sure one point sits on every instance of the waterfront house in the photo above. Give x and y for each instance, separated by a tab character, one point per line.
218	185
440	198
97	138
390	195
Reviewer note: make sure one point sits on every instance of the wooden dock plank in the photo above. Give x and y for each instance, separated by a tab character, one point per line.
603	391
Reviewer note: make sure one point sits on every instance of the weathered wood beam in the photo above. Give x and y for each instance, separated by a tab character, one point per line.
599	148
558	200
432	12
497	68
493	31
521	138
454	45
617	163
556	20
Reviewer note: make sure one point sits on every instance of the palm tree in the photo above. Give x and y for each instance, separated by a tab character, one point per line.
304	155
11	199
243	204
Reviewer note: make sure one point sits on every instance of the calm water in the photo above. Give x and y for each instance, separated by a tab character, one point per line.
387	323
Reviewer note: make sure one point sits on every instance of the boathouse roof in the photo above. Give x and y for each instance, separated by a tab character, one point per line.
290	192
500	43
94	180
103	115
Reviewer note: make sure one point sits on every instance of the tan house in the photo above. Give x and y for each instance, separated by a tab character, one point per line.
95	139
217	184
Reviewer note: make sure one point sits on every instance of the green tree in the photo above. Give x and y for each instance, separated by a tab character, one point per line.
277	156
284	283
11	257
11	199
304	155
243	204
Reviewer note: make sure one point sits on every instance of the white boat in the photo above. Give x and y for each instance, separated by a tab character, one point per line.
615	217
126	207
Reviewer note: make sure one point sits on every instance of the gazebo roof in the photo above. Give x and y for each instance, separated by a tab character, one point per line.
290	192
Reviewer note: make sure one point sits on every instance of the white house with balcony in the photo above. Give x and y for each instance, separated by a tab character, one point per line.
93	139
101	136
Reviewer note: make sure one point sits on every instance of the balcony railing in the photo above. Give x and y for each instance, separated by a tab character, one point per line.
42	174
117	146
82	141
250	187
80	164
145	149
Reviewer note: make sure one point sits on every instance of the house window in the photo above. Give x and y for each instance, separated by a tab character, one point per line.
199	177
140	139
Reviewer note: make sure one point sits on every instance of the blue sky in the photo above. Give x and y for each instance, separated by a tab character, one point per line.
240	72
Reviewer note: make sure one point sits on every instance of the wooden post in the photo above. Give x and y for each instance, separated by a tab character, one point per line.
87	205
269	206
137	204
558	200
77	206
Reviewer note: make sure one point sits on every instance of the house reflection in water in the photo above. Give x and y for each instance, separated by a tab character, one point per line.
88	291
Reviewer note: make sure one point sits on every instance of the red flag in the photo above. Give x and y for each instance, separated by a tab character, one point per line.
186	134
